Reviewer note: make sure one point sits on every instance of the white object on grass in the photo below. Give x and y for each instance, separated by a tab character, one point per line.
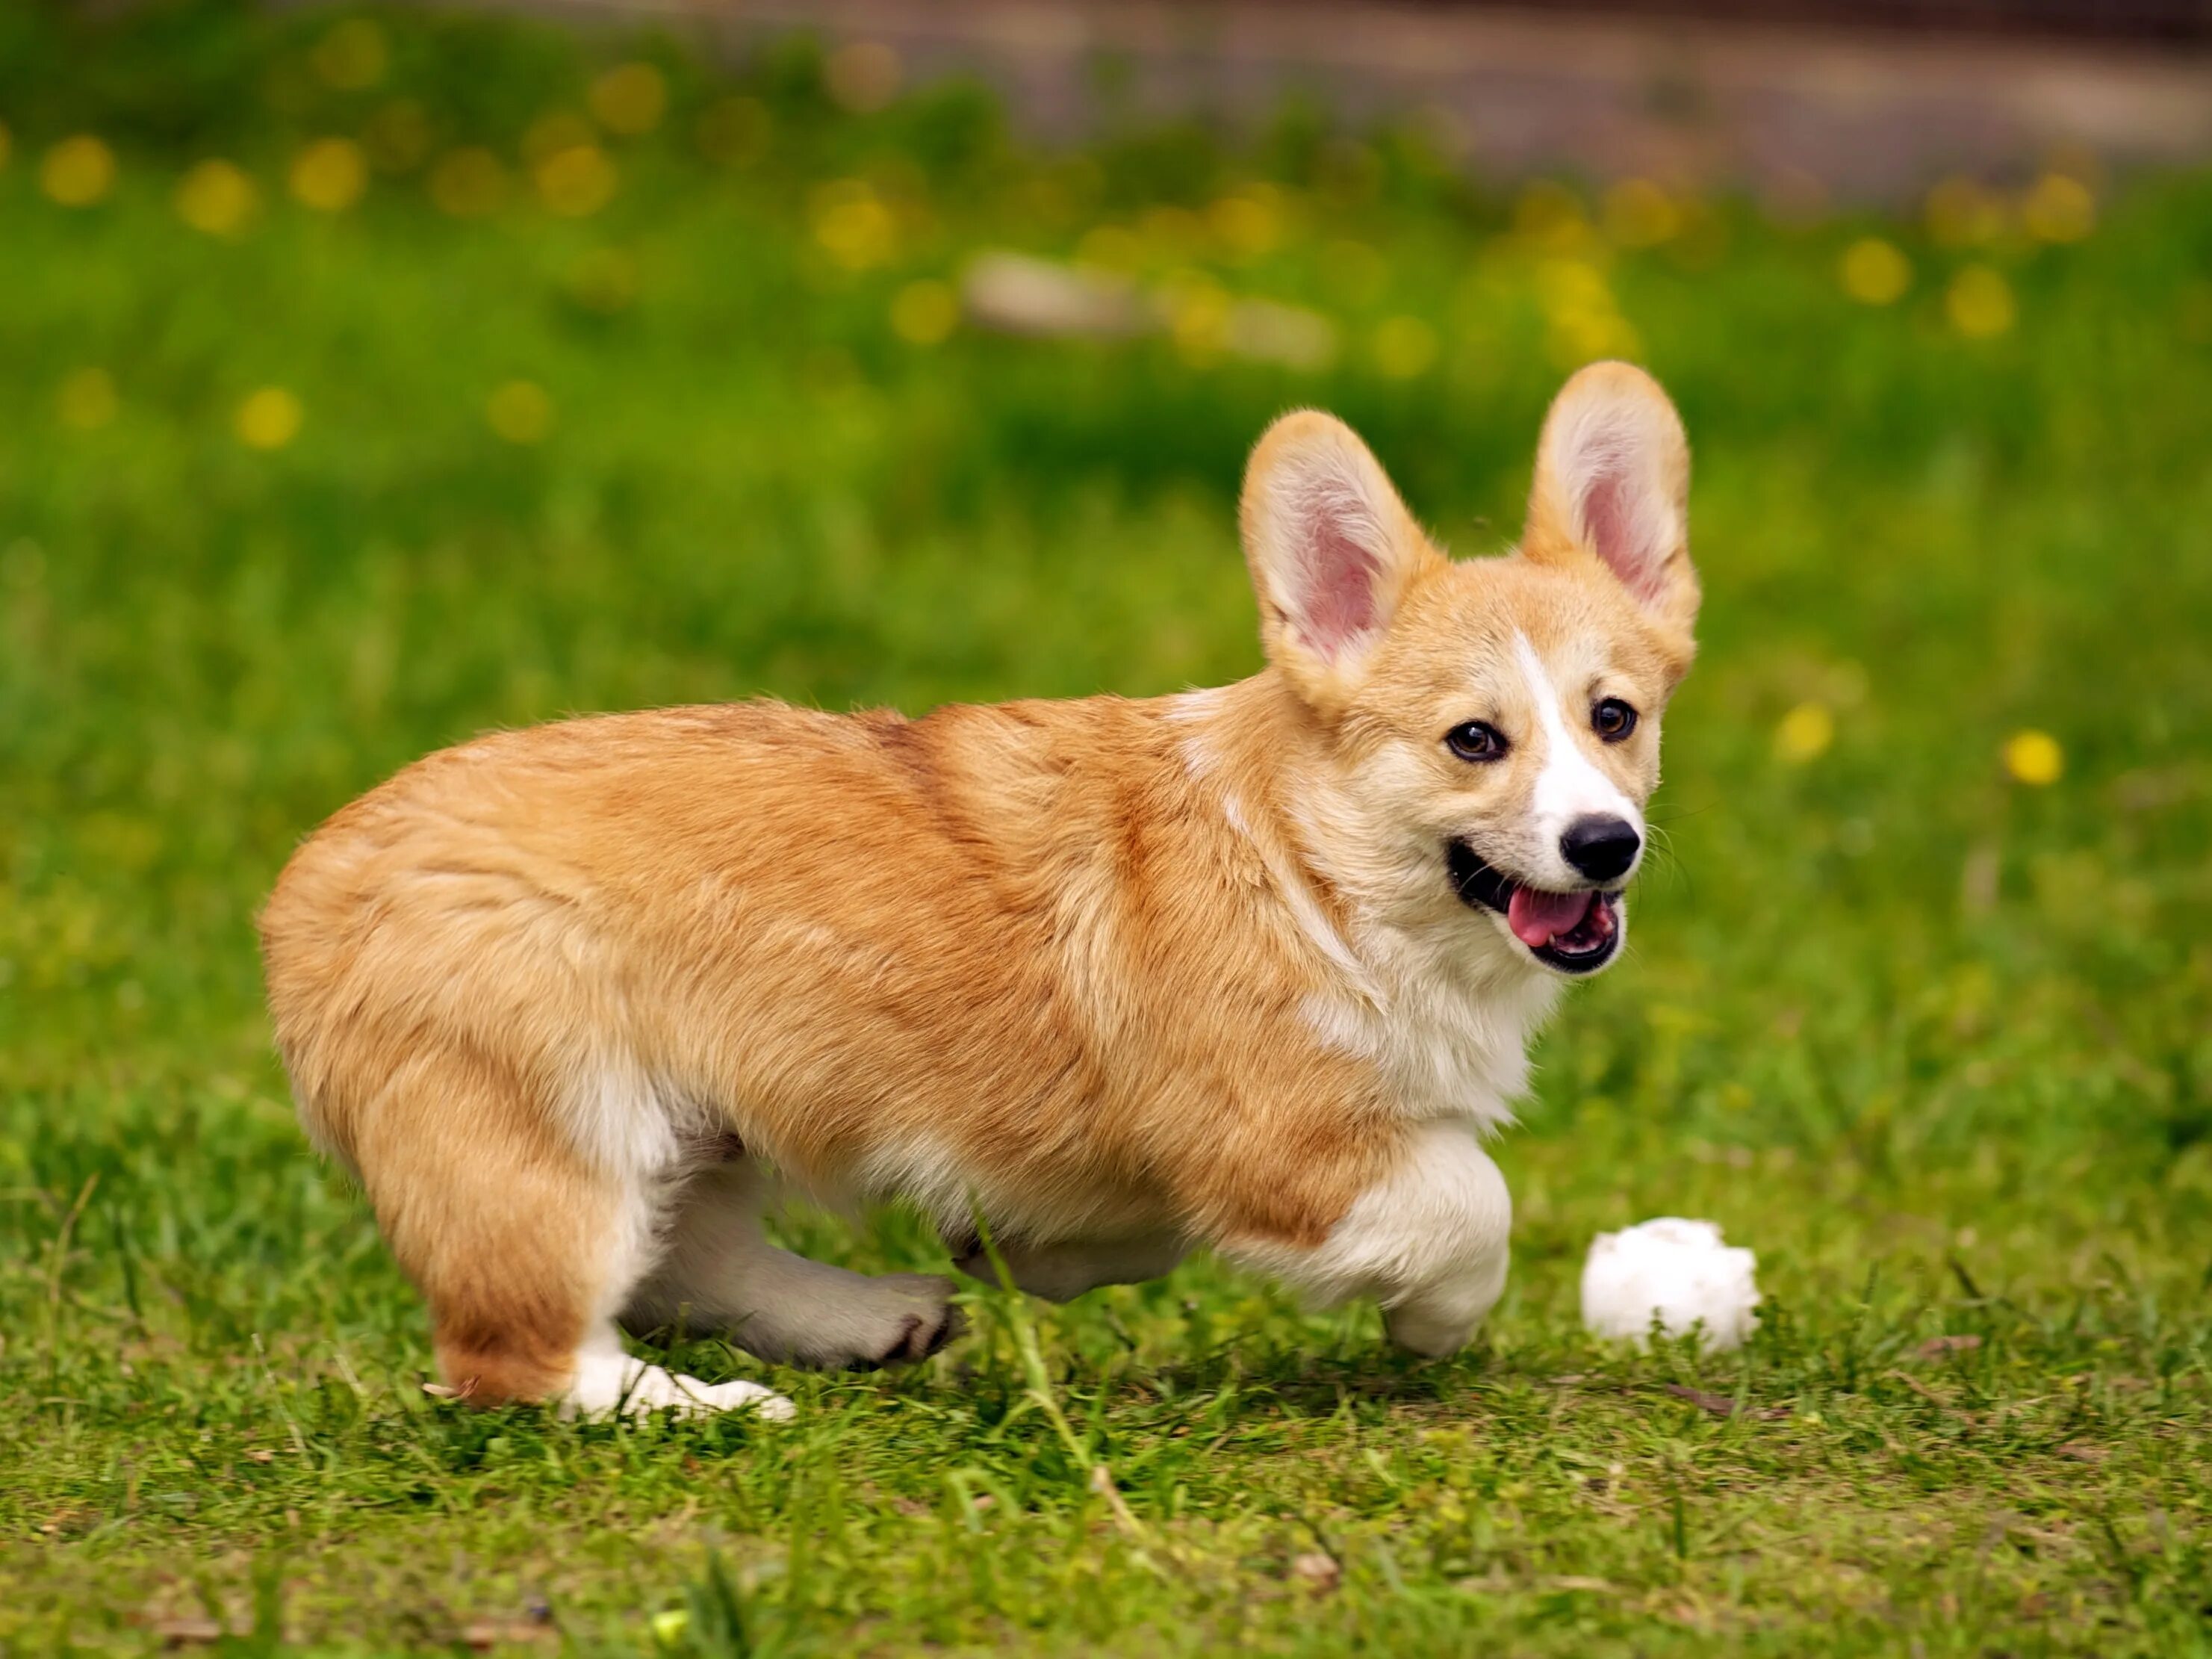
1677	1269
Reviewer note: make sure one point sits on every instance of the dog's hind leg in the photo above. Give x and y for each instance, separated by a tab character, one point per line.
718	1272
1062	1271
523	1245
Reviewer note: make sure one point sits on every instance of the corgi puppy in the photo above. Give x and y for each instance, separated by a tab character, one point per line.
1254	968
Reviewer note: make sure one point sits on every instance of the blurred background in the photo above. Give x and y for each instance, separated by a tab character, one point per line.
377	376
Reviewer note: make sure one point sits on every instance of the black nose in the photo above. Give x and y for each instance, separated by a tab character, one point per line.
1600	848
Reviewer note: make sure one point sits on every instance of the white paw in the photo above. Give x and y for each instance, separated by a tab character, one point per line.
606	1383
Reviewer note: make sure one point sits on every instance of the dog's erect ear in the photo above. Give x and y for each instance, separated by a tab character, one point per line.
1613	481
1332	551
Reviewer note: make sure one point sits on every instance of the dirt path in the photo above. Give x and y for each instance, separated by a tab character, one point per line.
1784	110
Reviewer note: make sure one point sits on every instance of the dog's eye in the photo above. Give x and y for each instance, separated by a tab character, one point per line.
1477	740
1612	719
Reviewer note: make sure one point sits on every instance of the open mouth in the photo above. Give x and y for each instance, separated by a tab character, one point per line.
1575	933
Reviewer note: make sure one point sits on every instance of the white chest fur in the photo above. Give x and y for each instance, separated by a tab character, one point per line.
1449	1032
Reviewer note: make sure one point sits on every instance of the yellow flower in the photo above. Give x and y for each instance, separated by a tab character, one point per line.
351	56
1805	733
2035	757
1980	303
1874	272
2059	209
87	399
1404	347
554	131
629	99
217	197
1639	214
1198	315
852	225
577	182
864	76
77	172
520	412
330	175
925	312
269	419
468	183
734	132
1249	224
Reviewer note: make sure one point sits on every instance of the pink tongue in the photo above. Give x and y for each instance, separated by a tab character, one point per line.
1538	918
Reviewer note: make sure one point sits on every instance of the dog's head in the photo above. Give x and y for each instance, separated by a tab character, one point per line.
1492	726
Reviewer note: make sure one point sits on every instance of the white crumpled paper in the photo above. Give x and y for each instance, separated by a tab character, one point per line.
1678	1269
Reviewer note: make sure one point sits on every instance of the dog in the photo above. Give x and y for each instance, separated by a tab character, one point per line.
1254	968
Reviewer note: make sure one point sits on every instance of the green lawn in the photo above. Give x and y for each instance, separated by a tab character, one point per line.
1931	1038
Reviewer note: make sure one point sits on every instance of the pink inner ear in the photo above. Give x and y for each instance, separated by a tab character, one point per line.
1609	519
1337	575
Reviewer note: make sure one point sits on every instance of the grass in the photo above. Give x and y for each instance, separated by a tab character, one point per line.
1929	1037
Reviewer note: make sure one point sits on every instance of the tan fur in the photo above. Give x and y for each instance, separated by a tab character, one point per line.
1109	968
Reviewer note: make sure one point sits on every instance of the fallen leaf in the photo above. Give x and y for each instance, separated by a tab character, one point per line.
1936	1346
187	1632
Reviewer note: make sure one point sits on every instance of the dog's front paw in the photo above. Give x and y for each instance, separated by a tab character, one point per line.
925	1322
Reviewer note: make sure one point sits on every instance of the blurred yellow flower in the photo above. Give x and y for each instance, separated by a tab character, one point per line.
864	76
1640	214
351	56
1404	347
520	412
2035	757
925	312
330	175
1198	315
852	225
269	419
87	399
554	131
1585	324
576	182
1805	733
77	172
468	183
217	197
2058	209
1980	303
1874	272
1248	223
732	131
629	99
1962	212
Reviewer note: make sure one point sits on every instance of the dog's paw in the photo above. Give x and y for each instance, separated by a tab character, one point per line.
602	1386
922	1320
